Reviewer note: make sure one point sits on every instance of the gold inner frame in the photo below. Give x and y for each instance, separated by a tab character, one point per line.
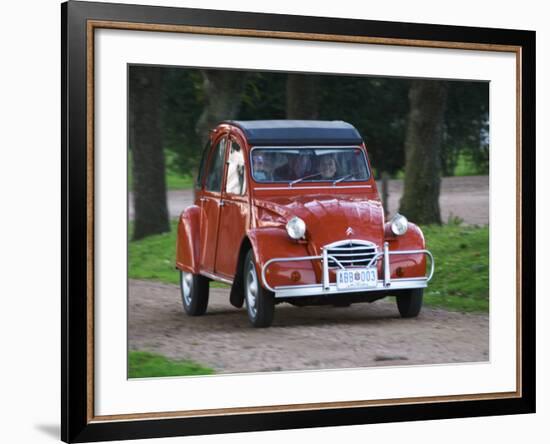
97	24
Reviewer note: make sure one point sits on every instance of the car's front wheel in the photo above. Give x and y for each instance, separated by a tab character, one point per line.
409	303
194	293
260	303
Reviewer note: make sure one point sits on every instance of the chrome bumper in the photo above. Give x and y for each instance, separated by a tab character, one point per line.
329	288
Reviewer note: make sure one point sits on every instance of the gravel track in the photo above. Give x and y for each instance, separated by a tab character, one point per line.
362	335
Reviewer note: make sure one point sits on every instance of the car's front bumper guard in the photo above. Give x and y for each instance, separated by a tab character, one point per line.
327	287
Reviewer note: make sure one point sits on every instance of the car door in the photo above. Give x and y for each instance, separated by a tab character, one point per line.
210	204
234	212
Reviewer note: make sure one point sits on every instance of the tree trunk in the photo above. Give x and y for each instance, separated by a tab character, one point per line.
148	167
420	201
302	96
222	96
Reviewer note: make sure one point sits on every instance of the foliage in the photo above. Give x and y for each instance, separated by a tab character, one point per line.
377	107
461	280
466	166
466	130
182	104
147	365
263	96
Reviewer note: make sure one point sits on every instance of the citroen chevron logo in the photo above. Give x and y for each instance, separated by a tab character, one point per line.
349	231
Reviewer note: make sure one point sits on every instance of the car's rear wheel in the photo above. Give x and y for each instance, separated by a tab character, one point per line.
260	303
409	303
194	293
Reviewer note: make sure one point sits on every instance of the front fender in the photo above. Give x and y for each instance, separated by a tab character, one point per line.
413	239
188	240
269	243
408	265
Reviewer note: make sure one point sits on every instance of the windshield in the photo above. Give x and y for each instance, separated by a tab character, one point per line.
294	165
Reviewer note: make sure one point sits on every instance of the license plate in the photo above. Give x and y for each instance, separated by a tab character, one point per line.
357	278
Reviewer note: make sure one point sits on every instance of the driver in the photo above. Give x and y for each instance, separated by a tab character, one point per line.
298	166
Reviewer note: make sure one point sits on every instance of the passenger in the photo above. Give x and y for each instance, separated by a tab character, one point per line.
328	168
262	170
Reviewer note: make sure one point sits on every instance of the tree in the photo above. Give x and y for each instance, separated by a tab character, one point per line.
148	164
222	91
377	107
302	96
181	108
264	96
420	201
466	127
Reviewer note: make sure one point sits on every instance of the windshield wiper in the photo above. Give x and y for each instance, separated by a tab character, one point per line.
340	179
302	178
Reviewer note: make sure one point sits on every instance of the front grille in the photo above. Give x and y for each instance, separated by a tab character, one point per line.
351	253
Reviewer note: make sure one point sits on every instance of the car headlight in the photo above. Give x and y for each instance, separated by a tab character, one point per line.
296	228
399	224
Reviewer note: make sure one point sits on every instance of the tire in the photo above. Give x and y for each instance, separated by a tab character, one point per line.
260	303
410	302
194	293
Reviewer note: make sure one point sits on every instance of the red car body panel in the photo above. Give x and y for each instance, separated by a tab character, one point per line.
187	247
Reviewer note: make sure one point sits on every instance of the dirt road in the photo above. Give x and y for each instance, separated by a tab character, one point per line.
464	197
362	335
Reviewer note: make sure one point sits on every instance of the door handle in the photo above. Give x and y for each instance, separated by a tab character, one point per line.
222	203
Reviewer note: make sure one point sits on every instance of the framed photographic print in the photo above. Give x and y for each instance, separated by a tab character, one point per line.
276	221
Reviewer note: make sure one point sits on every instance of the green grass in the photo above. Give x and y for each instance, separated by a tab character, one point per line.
174	179
461	280
154	258
145	365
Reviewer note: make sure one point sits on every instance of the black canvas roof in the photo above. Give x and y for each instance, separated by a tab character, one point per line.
298	132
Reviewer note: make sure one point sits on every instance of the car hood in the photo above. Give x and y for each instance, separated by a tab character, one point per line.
328	218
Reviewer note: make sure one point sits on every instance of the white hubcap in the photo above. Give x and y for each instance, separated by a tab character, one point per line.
186	284
252	290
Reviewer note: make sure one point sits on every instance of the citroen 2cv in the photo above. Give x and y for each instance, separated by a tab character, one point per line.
288	211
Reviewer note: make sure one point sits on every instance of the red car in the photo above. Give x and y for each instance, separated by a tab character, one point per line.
288	211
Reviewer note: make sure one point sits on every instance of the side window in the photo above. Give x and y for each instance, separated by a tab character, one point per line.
215	172
236	183
202	166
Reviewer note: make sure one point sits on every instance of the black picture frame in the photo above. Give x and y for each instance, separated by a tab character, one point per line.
77	424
